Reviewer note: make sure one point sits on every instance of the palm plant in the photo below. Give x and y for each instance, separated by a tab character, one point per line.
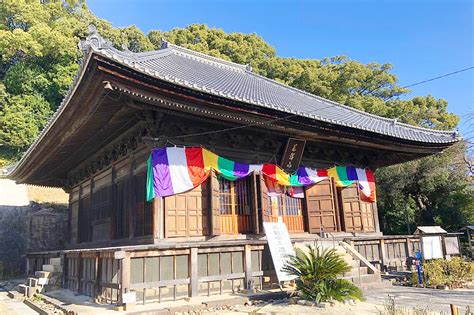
317	271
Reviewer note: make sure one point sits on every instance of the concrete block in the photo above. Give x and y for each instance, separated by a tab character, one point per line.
22	288
52	268
30	291
55	261
32	282
43	281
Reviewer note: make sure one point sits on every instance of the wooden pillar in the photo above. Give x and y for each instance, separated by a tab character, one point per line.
64	264
248	267
98	273
129	201
80	265
193	272
383	253
376	216
470	239
255	219
215	211
338	211
125	275
27	266
409	247
158	218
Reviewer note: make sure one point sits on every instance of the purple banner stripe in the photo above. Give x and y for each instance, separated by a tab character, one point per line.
240	170
303	176
351	173
161	173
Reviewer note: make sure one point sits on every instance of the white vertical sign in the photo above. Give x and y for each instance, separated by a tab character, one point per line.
280	246
432	248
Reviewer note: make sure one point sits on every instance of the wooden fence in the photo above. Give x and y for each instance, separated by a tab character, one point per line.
388	253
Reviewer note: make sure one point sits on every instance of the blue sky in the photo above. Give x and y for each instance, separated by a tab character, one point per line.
421	39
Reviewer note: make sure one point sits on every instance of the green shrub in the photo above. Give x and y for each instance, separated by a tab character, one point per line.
317	273
453	272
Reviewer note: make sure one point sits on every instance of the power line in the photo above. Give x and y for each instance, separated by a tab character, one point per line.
438	77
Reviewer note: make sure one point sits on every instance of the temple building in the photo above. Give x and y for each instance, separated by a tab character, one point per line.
209	239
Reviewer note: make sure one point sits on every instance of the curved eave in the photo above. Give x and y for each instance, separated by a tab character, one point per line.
15	172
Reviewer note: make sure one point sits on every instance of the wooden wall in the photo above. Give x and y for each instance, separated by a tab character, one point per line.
110	205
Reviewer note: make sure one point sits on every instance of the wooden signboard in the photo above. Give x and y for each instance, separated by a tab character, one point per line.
280	246
292	155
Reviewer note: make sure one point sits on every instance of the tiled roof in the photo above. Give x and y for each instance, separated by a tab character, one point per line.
223	78
429	230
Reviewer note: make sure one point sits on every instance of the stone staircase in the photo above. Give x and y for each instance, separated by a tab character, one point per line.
362	273
48	279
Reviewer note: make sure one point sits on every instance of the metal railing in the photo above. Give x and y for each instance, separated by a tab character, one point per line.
321	235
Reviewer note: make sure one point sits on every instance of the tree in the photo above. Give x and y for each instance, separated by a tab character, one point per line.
435	190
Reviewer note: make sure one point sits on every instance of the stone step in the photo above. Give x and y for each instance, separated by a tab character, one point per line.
32	282
55	261
364	279
375	285
355	272
51	287
52	268
353	263
22	288
43	274
43	281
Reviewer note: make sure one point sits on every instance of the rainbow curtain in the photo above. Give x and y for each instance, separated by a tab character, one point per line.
173	170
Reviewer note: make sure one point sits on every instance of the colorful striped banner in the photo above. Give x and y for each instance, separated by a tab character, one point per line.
366	181
174	170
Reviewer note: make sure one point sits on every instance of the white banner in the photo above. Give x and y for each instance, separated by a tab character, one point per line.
280	246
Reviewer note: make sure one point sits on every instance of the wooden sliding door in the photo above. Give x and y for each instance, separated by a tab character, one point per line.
186	213
321	207
235	203
357	215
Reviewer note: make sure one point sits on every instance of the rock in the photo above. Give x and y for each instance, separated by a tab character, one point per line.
301	302
324	305
352	302
292	300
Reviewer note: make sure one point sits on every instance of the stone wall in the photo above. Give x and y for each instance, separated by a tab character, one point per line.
47	228
29	229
